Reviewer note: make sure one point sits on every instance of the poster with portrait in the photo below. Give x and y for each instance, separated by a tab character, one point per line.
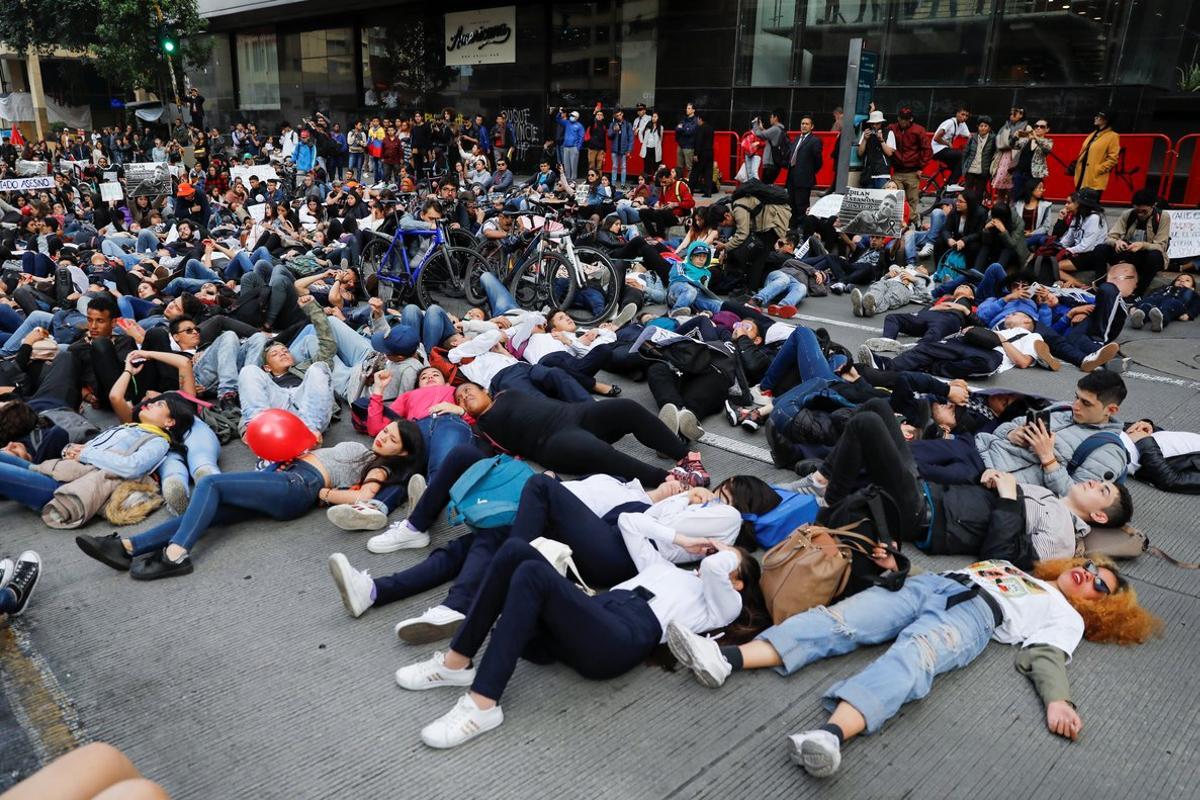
872	212
149	179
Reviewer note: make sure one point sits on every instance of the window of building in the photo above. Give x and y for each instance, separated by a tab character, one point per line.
258	72
1056	41
943	42
825	34
766	31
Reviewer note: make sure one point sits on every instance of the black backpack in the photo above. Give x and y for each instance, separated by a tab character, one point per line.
879	516
766	193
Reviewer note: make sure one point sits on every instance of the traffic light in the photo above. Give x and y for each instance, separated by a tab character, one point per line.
167	40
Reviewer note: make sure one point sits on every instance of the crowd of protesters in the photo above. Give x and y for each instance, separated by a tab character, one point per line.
143	335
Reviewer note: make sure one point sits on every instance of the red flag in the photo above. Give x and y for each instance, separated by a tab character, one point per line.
17	139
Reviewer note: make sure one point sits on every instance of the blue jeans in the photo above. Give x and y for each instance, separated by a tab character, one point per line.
681	294
992	284
500	300
629	215
19	482
918	239
802	352
203	450
195	275
312	401
929	640
877	183
236	497
434	324
38	319
356	162
242	263
1035	240
618	167
442	434
780	283
352	348
113	250
218	364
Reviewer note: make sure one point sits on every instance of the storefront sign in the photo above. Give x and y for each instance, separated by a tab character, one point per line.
486	36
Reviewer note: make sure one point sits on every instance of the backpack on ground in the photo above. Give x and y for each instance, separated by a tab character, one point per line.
78	427
810	568
1125	543
223	422
951	266
794	510
488	493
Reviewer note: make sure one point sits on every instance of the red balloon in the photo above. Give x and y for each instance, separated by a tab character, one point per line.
278	435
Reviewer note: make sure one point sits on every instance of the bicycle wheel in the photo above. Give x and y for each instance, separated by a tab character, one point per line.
597	298
372	264
542	283
441	279
473	283
457	237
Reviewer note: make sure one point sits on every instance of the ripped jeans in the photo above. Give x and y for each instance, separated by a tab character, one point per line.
929	640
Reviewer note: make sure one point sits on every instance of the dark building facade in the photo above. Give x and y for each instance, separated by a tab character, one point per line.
1062	59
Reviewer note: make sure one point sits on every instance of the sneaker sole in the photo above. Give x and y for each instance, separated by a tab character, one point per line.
1045	357
336	566
815	762
690	427
415	544
351	520
176	496
448	745
1156	322
856	303
680	647
416	488
427	632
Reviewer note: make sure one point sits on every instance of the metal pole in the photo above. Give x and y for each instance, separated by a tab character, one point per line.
849	102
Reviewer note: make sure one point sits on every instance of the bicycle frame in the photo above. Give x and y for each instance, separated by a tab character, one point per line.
408	278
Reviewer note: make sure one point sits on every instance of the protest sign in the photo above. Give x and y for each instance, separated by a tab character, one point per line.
26	184
1185	234
264	172
111	191
147	179
875	212
827	206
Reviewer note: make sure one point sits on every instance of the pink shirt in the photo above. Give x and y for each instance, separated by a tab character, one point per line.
412	405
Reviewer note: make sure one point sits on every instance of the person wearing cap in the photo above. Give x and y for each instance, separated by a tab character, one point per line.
572	142
911	156
1098	155
1140	237
876	147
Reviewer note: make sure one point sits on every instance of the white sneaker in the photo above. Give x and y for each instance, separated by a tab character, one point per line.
868	305
461	724
363	516
433	673
400	536
1100	357
416	488
881	344
1156	320
355	586
817	751
1137	318
669	415
926	250
681	312
689	426
699	654
439	622
866	356
7	568
856	301
625	315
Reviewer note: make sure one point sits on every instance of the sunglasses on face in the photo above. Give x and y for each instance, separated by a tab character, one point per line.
188	330
1097	581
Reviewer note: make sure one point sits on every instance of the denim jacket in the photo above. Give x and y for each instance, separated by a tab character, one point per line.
129	451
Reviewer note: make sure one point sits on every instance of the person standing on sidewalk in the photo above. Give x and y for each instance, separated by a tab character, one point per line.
702	173
685	142
912	154
597	143
775	155
620	136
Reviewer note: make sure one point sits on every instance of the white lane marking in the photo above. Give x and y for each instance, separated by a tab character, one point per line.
839	323
737	447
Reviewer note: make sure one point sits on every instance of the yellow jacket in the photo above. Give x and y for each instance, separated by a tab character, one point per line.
1100	151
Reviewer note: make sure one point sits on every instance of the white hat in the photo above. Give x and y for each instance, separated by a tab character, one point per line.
876	116
574	115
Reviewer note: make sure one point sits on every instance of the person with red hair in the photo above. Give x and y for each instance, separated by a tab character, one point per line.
939	622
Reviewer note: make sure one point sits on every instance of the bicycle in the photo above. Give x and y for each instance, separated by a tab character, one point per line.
437	278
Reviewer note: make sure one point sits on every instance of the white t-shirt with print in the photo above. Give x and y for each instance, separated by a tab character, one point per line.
1035	612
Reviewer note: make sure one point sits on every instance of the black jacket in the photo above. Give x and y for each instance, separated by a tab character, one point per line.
808	157
975	521
704	141
1176	474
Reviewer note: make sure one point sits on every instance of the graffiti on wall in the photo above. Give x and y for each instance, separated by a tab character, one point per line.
526	130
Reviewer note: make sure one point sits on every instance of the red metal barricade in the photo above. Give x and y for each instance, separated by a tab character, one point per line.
1191	182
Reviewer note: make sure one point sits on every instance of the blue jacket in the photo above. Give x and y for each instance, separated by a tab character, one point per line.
129	451
304	157
572	133
995	309
685	133
621	136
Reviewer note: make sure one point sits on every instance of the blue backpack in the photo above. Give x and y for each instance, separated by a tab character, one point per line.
777	524
952	265
488	493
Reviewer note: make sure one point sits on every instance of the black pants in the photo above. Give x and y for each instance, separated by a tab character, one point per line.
537	379
1148	263
948	461
950	359
702	174
930	325
587	448
770	172
582	368
545	617
651	257
213	327
107	366
58	386
703	394
798	197
872	447
657	220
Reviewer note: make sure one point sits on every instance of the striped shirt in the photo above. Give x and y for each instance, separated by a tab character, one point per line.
1049	523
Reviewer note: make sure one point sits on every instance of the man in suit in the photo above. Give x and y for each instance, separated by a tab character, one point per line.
702	169
803	166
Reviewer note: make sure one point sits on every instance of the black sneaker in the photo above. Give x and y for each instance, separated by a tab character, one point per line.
153	566
731	414
107	550
25	577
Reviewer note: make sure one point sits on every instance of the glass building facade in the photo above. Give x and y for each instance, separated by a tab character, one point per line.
734	59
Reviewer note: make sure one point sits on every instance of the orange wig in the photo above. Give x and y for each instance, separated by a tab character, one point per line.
1114	619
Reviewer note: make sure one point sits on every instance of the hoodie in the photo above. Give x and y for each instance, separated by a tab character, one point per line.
686	272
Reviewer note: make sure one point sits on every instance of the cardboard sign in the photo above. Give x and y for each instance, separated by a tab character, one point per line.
111	191
27	184
1185	234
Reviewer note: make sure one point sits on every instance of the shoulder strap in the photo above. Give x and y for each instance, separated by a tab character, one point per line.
1090	445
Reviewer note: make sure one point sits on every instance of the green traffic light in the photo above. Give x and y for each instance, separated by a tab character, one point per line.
168	46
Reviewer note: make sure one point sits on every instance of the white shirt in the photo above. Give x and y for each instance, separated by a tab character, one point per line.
660	523
950	130
1171	443
1023	345
699	600
1035	612
603	493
